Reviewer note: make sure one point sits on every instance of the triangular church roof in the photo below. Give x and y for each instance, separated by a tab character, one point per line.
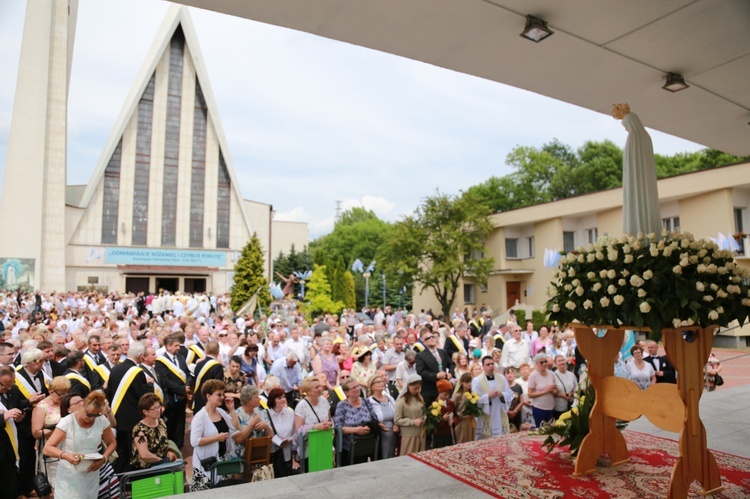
176	16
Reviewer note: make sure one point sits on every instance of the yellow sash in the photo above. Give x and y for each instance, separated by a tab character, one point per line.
10	429
195	354
159	392
173	368
26	388
208	365
419	347
89	362
340	393
499	337
459	344
123	388
263	403
80	378
103	372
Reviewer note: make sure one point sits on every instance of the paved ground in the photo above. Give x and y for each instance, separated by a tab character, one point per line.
724	412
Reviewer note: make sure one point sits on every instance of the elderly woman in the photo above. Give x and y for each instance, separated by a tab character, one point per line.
325	362
249	419
641	372
543	342
542	391
711	370
313	412
210	433
566	383
45	417
409	416
364	367
352	416
282	422
150	443
384	408
77	435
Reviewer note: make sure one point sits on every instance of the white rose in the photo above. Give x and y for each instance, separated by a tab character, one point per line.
570	305
622	282
713	315
722	270
700	286
590	257
720	310
708	298
642	293
625	273
612	256
603	274
636	281
572	272
702	268
568	287
626	249
576	282
645	308
597	286
654	250
702	253
746	302
651	235
611	274
685	243
599	255
588	304
551	291
591	275
579	291
619	299
648	275
555	308
684	262
677	269
604	302
668	251
712	268
733	289
720	293
714	287
611	289
580	258
693	259
628	259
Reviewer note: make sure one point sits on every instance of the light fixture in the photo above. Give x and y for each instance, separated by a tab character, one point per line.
675	82
536	29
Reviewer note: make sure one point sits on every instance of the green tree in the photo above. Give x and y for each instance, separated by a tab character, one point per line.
249	276
293	262
350	297
318	294
338	283
440	245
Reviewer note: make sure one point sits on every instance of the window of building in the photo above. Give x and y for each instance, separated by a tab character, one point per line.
142	165
592	235
172	140
468	293
739	226
531	247
473	255
569	241
511	248
198	173
111	200
223	206
671	224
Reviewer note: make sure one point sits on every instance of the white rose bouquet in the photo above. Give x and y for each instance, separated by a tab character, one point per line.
640	281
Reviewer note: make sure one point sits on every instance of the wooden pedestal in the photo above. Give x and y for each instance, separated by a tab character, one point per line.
670	407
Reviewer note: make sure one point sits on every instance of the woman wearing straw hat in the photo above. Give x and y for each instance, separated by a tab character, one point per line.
409	415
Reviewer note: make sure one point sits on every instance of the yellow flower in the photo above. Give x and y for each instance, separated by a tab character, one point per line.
574	410
583	399
435	412
559	423
564	416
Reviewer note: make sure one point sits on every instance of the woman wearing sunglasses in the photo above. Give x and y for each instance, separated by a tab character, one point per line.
77	435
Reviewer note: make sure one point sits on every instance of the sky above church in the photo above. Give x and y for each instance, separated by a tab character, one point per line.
311	121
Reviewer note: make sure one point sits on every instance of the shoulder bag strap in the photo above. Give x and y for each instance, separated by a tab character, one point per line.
271	421
561	382
313	410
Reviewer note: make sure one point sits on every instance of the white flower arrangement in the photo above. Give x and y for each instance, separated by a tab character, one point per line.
640	281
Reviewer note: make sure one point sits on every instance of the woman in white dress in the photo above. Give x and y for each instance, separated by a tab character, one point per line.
641	372
80	433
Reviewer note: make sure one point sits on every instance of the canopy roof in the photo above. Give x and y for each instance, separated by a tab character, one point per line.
602	51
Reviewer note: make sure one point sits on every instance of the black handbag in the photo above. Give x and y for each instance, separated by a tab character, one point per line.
718	380
373	424
208	462
41	485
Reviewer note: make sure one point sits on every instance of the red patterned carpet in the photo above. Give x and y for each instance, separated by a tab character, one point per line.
516	466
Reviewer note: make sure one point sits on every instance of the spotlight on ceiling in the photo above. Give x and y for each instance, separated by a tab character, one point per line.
536	29
675	82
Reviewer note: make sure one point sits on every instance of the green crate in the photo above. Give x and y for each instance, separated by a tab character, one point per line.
164	485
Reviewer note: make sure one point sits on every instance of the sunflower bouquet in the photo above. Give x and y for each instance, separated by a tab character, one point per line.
572	426
433	415
471	405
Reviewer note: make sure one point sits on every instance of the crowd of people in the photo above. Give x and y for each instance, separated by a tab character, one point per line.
94	385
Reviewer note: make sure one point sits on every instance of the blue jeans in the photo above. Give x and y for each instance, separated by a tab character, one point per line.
542	415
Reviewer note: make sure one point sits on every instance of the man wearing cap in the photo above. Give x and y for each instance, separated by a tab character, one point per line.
495	397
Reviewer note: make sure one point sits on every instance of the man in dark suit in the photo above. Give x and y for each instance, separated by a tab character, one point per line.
665	373
458	342
208	368
127	384
79	383
432	365
10	412
174	377
30	383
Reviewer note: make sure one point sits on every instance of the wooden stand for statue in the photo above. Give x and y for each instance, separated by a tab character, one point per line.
668	406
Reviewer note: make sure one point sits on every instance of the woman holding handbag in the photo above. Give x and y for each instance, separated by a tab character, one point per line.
210	433
44	419
282	422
